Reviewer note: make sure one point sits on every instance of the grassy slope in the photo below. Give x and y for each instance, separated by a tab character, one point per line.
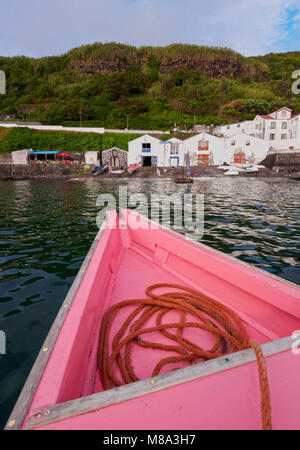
19	138
156	85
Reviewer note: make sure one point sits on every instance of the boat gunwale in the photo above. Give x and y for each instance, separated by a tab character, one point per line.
24	401
89	404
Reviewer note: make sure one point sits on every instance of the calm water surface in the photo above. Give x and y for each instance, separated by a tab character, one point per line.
46	229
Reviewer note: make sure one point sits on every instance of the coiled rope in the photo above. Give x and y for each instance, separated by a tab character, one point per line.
211	316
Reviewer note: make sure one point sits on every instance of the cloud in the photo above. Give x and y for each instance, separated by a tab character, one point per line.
48	27
296	18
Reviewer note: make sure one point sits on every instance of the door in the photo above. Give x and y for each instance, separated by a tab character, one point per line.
154	161
174	161
239	158
203	160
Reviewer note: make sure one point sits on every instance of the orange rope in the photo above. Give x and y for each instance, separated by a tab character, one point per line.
266	411
208	314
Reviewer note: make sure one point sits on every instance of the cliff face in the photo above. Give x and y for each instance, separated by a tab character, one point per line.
211	62
215	67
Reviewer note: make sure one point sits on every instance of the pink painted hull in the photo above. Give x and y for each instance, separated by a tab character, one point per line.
124	262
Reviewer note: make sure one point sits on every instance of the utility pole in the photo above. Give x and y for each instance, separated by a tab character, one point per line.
127	115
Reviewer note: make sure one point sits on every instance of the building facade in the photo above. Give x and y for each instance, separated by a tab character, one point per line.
149	151
243	143
245	149
115	157
204	150
275	127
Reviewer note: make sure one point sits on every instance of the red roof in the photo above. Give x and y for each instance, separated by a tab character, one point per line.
267	117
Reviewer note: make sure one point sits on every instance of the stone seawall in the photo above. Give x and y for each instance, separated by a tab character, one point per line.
5	158
287	162
39	171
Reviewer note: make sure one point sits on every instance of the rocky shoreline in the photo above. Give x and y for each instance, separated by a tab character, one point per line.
277	165
74	171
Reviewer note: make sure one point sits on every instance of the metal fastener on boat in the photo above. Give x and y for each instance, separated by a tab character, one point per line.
11	423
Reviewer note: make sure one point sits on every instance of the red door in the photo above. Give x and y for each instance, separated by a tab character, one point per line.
239	158
203	160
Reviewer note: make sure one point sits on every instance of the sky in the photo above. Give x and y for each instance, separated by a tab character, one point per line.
52	27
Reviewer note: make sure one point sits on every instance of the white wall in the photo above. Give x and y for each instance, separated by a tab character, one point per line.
136	153
216	148
255	149
19	157
169	153
246	127
91	158
55	128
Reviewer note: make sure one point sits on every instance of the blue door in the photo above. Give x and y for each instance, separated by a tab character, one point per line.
154	161
174	159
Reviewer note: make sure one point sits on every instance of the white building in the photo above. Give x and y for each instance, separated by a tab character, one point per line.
149	151
245	149
246	127
243	143
274	128
205	149
19	157
92	158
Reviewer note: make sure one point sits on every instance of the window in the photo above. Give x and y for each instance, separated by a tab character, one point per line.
272	137
284	136
174	149
248	142
232	142
284	125
203	146
239	125
273	125
146	148
283	113
228	127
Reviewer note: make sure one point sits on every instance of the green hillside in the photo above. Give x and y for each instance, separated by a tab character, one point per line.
155	86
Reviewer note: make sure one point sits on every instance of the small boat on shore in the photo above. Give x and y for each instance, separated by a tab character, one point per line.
232	171
100	169
183	180
133	168
110	363
186	177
